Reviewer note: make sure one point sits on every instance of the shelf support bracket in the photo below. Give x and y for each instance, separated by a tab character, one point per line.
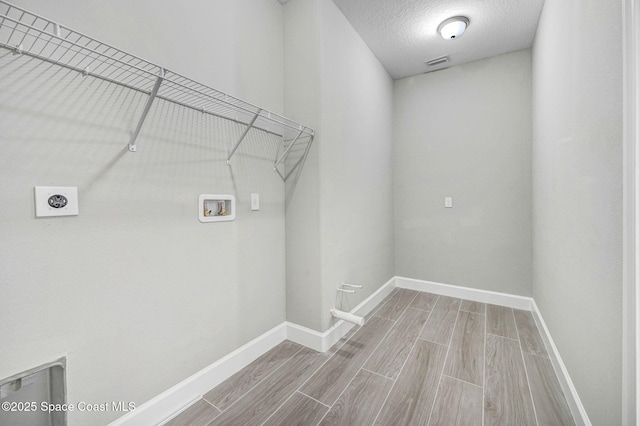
244	134
147	107
286	151
306	151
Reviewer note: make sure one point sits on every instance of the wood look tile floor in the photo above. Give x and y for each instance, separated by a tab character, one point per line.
420	359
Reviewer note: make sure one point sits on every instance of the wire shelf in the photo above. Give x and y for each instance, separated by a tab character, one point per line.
29	34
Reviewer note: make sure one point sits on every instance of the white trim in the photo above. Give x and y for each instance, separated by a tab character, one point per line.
321	342
307	337
474	294
631	221
177	398
174	400
571	394
517	302
166	405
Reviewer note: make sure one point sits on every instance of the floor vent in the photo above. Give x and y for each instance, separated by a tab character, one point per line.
29	395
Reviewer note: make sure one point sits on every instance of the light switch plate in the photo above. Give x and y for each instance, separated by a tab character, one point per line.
255	202
56	201
448	202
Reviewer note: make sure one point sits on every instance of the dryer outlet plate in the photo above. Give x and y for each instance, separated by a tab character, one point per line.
56	201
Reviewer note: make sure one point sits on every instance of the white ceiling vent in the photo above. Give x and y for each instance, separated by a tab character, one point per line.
437	61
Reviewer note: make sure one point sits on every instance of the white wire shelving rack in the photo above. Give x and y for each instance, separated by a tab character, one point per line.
26	33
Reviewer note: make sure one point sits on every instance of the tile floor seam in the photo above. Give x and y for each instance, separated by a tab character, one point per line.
179	412
484	364
338	398
472	312
418	309
388	319
422	329
405	361
444	364
377	374
315	371
534	354
374	350
383	302
387	333
403	311
524	364
260	381
462	400
504	337
379	343
279	407
310	397
375	419
555	374
537	355
202	398
463	381
431	341
345	342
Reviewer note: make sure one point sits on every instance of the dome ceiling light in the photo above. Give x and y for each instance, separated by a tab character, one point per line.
453	27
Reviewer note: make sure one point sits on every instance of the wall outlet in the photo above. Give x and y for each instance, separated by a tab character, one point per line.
56	201
448	202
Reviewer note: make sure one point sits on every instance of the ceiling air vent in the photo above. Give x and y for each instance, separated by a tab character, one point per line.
437	61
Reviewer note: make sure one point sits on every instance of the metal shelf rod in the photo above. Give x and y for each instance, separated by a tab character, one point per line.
306	151
27	33
74	44
137	89
233	151
112	60
286	151
147	107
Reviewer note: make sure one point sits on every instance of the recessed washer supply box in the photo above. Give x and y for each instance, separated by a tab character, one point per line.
216	208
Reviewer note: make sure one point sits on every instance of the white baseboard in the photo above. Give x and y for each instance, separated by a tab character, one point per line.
168	403
321	342
573	399
517	302
477	295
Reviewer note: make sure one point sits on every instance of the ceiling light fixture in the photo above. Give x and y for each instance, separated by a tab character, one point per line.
453	27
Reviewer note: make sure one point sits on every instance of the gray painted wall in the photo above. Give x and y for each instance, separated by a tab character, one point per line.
357	175
302	102
577	194
137	286
465	132
343	198
135	290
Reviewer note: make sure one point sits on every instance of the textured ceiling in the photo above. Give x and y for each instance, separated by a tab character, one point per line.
403	33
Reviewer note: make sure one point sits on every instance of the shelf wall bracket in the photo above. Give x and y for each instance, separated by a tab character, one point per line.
147	107
286	151
306	152
244	134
